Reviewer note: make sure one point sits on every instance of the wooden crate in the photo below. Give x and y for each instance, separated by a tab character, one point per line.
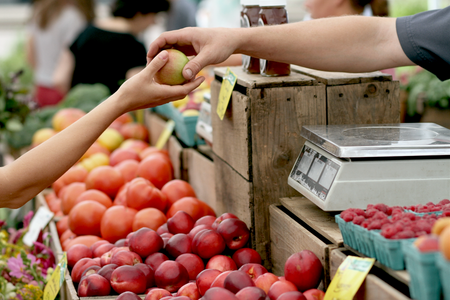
258	141
374	287
289	235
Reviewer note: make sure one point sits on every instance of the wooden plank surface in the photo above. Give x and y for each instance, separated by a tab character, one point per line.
365	103
252	81
175	154
341	78
231	135
289	237
321	221
234	194
201	176
155	126
277	115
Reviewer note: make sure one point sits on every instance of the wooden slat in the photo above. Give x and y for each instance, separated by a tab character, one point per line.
201	175
175	154
289	237
365	103
257	81
341	78
277	115
321	221
231	135
155	126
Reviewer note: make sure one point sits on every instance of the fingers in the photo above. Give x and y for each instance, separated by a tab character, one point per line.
157	63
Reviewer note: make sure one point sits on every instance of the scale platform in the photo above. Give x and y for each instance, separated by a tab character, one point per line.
351	166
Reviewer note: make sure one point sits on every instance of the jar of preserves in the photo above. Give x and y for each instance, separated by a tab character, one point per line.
273	12
250	18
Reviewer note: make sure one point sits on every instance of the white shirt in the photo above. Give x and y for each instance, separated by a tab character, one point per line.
49	43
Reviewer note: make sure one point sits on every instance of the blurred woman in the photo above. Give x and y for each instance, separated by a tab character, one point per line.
53	27
334	8
108	51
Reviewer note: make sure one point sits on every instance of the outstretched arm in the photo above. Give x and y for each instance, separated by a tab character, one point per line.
346	44
24	178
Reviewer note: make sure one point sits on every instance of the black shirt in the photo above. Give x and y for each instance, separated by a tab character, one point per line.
105	57
425	39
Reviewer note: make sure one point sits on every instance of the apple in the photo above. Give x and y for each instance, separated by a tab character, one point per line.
102	249
205	278
97	244
314	294
172	72
280	287
221	218
206	220
236	281
134	130
235	233
222	263
106	271
427	243
157	294
193	264
119	155
155	259
94	285
197	229
219	293
218	282
189	290
145	241
304	270
128	278
90	270
162	229
77	252
125	257
180	222
171	275
253	270
128	296
148	272
294	295
80	266
265	281
121	243
178	244
208	243
246	255
106	258
251	293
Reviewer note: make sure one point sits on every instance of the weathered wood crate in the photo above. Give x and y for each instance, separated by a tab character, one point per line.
258	141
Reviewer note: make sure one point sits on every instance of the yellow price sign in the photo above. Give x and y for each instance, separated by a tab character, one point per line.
348	278
165	135
226	89
56	280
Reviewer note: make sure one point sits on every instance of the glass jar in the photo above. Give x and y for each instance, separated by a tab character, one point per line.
273	12
250	18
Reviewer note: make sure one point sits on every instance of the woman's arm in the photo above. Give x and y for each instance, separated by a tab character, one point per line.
62	76
24	178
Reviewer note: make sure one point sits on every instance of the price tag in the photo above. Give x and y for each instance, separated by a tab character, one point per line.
348	278
229	80
56	280
165	135
39	221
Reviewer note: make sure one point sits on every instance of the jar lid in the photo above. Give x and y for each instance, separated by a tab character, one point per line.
250	2
272	2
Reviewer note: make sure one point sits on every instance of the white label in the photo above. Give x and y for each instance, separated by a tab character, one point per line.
306	161
327	177
39	221
316	169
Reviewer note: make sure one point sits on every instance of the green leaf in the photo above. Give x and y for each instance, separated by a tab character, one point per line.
14	125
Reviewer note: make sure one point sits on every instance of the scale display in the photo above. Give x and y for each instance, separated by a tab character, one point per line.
315	172
351	166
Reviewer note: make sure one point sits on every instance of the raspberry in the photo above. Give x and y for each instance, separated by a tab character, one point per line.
360	212
369	206
375	224
389	211
446	213
422	225
380	215
420	233
365	224
348	216
371	212
436	208
410	216
385	225
430	203
396	211
406	234
381	207
358	220
389	231
444	202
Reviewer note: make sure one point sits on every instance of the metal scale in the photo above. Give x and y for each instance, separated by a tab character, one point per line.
344	166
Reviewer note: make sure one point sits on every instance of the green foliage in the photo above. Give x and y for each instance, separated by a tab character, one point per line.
401	8
425	84
85	96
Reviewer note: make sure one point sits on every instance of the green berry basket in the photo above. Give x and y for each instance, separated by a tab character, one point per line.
444	274
389	252
348	232
423	270
364	240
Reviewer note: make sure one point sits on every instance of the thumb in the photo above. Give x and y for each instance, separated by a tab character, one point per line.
157	63
194	66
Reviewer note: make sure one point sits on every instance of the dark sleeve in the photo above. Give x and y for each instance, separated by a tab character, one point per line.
425	39
137	54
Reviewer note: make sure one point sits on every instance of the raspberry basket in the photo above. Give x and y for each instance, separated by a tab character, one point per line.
423	268
444	274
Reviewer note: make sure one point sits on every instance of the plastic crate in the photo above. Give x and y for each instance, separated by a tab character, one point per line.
364	240
425	282
389	252
165	110
444	274
438	213
348	232
185	128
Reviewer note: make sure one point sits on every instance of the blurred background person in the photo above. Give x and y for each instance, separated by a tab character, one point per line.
181	14
333	8
108	50
53	26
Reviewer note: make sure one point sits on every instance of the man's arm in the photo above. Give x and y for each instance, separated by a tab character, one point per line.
24	178
346	44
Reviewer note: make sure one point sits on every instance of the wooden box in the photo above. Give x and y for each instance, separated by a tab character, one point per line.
258	141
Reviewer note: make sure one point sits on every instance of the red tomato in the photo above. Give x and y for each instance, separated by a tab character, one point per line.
156	169
117	223
177	189
85	218
142	194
